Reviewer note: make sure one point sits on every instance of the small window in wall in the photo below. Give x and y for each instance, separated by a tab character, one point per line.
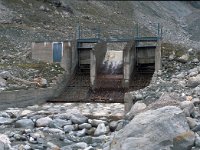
57	51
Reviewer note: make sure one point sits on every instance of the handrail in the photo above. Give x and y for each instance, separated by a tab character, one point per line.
118	34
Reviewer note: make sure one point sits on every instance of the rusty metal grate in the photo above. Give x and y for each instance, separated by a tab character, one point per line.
109	88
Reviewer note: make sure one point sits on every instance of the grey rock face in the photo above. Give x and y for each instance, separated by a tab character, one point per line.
184	141
24	123
153	129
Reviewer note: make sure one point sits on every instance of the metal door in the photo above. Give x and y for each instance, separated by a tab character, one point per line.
57	52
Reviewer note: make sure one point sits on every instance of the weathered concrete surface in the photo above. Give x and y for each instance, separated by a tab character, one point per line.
146	55
44	51
97	55
22	98
151	130
129	60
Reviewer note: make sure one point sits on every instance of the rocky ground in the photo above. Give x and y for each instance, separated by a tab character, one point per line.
166	114
60	126
25	21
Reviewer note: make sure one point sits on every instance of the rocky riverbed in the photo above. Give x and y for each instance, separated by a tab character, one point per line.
60	126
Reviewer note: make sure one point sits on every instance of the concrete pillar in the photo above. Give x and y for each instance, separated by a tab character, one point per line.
128	62
68	56
92	69
158	56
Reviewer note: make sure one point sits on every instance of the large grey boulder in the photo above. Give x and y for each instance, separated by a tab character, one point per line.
78	119
151	130
24	123
5	121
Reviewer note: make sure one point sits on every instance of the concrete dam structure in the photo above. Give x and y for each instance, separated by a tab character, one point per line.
98	74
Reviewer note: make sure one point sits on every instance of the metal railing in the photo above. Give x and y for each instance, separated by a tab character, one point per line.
114	35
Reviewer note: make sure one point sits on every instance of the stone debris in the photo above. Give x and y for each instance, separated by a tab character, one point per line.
49	127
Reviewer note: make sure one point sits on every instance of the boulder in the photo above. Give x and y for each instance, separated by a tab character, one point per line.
188	107
153	129
184	141
135	109
58	123
96	122
85	125
43	122
5	74
113	125
166	99
197	141
81	133
5	120
80	145
193	81
101	129
184	58
41	82
24	123
78	119
4	142
52	146
2	82
192	122
68	128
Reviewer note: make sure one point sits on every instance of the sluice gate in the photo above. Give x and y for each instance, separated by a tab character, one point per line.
96	80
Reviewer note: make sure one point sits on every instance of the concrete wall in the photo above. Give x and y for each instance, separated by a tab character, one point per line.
32	96
44	51
97	55
129	58
146	55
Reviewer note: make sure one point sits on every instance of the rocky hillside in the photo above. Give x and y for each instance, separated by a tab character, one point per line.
26	21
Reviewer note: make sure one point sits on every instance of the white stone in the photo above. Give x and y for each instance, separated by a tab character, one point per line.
101	129
43	122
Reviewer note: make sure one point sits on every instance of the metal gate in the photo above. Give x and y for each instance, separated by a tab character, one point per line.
57	51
